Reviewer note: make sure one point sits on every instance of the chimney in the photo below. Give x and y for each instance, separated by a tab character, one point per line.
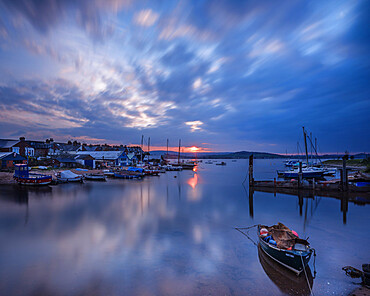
22	139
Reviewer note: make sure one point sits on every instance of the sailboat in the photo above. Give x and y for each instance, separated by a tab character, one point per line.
308	171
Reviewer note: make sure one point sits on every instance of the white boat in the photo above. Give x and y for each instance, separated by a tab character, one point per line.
68	176
95	177
310	172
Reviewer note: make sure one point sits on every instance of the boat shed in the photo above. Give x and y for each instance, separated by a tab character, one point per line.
65	162
107	158
8	159
86	160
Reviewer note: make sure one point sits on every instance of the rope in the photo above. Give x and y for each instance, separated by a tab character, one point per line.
247	234
304	269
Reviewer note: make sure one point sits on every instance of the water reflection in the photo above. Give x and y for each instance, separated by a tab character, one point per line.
307	198
163	236
284	279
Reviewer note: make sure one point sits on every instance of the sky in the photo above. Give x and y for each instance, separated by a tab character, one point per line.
220	75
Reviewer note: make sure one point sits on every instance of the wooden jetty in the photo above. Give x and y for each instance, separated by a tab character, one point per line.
342	185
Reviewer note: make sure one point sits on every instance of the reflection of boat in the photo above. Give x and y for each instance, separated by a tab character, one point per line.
24	177
295	257
95	177
286	281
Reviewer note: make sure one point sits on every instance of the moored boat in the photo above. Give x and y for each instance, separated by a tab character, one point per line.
95	177
310	172
283	246
24	177
68	176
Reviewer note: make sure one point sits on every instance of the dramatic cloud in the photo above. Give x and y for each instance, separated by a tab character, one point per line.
235	75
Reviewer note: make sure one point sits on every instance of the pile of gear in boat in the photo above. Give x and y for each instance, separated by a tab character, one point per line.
281	236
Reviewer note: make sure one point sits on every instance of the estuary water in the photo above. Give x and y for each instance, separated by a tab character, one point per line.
173	235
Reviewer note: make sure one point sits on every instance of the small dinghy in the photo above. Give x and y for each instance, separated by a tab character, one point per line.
284	246
95	177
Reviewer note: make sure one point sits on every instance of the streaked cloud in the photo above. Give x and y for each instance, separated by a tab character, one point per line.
146	18
205	70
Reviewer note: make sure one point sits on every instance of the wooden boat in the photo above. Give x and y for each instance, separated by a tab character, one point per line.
24	177
129	174
95	177
296	258
283	278
68	176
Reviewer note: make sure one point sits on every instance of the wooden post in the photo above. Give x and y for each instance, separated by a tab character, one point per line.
251	179
300	175
313	184
345	174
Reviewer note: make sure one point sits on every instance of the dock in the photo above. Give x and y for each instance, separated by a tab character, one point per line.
339	185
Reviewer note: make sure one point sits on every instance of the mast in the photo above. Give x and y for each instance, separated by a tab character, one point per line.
305	143
142	140
167	149
178	157
148	148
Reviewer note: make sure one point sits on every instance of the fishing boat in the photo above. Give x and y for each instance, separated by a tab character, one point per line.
68	176
221	163
282	245
95	177
130	173
24	177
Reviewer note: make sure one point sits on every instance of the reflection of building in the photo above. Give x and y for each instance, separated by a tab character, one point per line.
287	281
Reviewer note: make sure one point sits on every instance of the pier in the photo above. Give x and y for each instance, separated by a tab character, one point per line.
360	184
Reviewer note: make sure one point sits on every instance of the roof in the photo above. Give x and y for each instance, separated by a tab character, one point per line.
4	154
102	155
66	160
82	156
16	157
131	155
4	143
70	147
88	148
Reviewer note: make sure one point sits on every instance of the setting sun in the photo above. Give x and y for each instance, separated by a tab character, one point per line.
194	149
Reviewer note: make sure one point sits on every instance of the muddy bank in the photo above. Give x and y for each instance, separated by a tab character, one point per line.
6	178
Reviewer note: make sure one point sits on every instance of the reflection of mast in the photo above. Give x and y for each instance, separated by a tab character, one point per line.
344	207
251	192
141	198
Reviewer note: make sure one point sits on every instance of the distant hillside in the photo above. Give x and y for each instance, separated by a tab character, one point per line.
243	155
217	155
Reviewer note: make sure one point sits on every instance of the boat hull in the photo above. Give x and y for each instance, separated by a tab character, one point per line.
37	181
119	176
296	261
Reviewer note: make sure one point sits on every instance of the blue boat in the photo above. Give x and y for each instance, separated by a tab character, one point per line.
295	258
24	177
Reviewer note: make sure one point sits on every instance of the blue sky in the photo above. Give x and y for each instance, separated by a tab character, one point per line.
221	75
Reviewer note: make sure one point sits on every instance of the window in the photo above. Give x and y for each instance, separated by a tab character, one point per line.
15	149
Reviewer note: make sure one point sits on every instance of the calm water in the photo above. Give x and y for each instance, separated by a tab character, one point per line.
172	235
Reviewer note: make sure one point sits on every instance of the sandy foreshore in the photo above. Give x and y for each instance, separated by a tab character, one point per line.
6	178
